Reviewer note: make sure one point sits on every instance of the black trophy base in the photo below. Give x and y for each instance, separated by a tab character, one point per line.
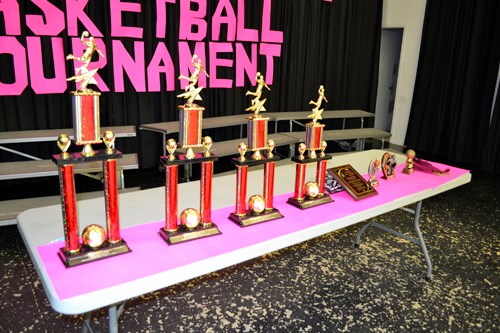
308	203
251	219
87	254
185	235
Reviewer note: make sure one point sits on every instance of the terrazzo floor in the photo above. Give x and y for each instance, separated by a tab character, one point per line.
323	285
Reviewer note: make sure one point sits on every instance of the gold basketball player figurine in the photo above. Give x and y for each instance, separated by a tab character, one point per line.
257	104
192	91
83	75
316	112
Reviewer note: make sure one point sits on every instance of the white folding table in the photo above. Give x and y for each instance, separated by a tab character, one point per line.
154	265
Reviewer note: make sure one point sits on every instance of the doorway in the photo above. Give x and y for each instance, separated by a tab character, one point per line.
390	51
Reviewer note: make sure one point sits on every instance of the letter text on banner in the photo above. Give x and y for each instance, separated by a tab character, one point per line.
51	23
155	68
75	11
117	29
245	34
218	19
218	62
244	64
161	17
10	45
122	61
191	19
39	83
270	51
268	35
11	16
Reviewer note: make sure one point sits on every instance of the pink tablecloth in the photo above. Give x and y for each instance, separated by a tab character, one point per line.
151	254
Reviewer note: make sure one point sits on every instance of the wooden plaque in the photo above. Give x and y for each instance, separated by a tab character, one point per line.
352	181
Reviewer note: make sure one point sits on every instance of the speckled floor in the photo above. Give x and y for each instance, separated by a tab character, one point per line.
323	285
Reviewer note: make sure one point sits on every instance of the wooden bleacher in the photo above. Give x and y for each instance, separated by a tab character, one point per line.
38	167
226	148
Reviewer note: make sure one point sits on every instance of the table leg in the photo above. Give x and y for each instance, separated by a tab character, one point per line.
420	241
114	313
113	319
86	322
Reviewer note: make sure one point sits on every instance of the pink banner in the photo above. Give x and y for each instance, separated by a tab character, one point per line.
230	35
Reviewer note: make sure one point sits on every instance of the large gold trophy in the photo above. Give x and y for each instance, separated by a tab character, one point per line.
192	224
312	193
96	243
260	207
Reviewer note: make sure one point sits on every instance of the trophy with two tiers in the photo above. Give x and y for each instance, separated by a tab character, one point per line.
257	151
192	224
312	193
96	243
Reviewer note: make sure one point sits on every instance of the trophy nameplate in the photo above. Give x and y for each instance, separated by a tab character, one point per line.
250	219
184	235
86	254
352	181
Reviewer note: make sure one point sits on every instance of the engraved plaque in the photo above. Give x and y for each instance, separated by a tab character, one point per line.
352	181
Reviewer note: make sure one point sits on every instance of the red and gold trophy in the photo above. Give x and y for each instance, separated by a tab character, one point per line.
96	242
312	193
260	207
192	224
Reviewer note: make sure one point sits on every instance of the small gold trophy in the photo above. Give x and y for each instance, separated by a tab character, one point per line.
192	224
410	155
311	194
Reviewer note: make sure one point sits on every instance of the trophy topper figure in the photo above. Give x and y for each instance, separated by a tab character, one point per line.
257	104
191	91
316	112
83	75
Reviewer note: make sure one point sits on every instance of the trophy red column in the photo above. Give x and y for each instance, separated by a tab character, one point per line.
241	190
320	176
206	193
171	174
111	199
269	184
300	178
68	203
